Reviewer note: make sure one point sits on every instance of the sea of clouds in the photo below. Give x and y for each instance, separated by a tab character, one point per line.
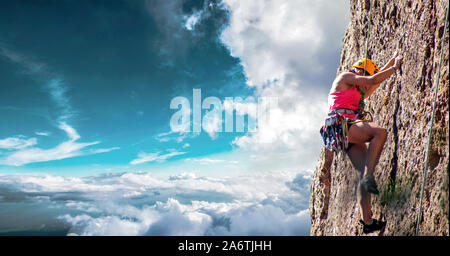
139	203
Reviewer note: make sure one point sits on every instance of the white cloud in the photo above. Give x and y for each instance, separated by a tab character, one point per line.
73	135
179	220
104	226
205	160
103	150
196	219
168	136
150	157
192	20
17	143
42	133
49	183
285	49
26	154
257	220
274	39
175	136
182	176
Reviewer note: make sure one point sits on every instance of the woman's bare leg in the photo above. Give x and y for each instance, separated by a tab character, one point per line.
365	159
368	132
358	156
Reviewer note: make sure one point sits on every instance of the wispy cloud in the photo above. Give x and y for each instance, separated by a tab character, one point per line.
25	152
103	150
168	136
175	136
52	81
30	66
150	157
17	143
73	135
58	93
42	133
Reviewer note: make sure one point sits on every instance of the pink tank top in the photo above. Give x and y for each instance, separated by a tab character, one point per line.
345	99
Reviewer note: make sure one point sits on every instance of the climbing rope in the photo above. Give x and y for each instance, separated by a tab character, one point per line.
361	103
368	33
431	125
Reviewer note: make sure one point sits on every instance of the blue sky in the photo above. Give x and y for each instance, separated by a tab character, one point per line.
109	71
85	92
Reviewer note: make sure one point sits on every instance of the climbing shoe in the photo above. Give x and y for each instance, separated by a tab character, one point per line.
374	226
369	184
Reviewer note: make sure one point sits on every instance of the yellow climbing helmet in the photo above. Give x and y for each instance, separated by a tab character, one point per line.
371	67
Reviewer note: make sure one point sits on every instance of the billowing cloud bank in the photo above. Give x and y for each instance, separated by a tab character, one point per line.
289	50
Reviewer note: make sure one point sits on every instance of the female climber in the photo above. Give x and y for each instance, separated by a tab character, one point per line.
346	97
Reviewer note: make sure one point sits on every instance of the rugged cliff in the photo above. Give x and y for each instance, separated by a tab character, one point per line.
403	105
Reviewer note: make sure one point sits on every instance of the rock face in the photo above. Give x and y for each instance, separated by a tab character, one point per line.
403	105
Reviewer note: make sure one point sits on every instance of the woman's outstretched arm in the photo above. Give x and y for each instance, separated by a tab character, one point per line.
390	62
371	83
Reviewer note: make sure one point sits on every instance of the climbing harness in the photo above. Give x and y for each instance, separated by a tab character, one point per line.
431	124
335	130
